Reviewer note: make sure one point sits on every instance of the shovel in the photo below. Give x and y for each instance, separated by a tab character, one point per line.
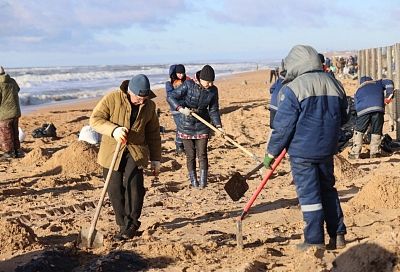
226	137
237	186
239	235
91	237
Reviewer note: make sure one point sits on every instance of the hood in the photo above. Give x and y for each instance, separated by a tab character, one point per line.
5	78
172	70
124	88
301	59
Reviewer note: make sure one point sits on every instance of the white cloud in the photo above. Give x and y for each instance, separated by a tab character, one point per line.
67	22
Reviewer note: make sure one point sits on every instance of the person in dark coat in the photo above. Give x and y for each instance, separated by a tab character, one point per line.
202	99
311	109
177	75
274	91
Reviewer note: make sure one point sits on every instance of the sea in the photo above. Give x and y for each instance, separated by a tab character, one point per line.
52	85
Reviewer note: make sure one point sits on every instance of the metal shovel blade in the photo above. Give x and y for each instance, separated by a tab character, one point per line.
236	186
239	234
96	241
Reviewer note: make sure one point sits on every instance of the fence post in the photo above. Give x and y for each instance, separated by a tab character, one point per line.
389	71
359	62
379	64
367	63
396	101
373	63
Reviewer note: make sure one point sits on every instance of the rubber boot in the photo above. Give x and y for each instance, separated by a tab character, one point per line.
336	242
193	179
179	149
203	178
357	145
375	146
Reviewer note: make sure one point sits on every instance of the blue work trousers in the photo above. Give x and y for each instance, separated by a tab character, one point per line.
319	200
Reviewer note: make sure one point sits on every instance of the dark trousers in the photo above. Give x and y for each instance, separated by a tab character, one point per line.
178	141
318	198
195	148
9	135
375	119
126	192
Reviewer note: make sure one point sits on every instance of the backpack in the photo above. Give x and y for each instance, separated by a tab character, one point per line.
46	130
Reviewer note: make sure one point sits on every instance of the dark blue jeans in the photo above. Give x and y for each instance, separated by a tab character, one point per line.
318	198
178	141
375	119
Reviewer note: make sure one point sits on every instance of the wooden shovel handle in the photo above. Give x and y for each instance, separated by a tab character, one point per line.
103	194
229	139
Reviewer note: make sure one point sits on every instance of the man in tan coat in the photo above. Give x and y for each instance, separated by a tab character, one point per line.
10	112
128	115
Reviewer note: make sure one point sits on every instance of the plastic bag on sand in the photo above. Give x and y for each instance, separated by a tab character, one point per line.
21	135
88	134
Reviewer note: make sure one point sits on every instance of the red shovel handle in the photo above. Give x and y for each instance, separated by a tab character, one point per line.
262	184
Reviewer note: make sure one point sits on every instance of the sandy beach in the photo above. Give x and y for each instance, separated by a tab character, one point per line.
47	196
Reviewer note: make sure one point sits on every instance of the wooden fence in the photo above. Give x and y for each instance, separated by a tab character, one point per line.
384	62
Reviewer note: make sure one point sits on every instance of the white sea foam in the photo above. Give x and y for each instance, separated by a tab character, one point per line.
48	84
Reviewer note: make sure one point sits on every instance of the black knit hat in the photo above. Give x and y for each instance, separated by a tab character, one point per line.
180	69
207	73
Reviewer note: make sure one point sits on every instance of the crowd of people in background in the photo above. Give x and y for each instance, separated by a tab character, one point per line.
343	67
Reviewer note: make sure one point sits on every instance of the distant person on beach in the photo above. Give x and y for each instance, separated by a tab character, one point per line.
312	108
273	74
10	112
177	75
129	116
325	67
201	99
370	99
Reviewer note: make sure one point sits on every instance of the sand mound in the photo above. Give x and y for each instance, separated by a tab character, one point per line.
365	257
78	158
345	170
15	236
379	192
36	156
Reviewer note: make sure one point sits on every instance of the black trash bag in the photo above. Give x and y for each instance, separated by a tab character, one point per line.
346	131
389	145
46	130
344	139
386	143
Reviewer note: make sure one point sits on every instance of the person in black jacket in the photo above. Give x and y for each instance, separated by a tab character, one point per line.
202	99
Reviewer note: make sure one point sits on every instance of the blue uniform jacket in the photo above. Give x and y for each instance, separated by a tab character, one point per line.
370	96
274	90
312	108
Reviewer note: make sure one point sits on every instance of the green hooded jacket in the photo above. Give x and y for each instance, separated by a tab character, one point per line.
9	101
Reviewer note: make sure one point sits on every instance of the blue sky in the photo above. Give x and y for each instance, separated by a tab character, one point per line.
107	32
